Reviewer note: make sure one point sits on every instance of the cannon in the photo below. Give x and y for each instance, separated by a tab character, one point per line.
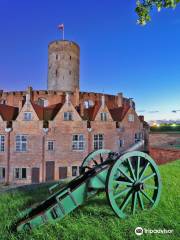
131	181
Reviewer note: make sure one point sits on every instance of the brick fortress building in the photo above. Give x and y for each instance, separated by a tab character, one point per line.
44	135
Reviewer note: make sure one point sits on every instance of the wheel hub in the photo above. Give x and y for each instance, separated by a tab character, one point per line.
138	186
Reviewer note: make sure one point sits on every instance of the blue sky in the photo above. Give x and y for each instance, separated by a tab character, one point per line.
117	55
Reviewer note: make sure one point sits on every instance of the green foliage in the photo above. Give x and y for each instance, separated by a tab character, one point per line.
166	128
144	8
95	219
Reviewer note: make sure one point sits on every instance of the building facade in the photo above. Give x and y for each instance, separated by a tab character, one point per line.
45	135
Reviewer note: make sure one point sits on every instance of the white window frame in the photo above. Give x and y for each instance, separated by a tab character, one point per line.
98	141
2	173
131	117
21	144
104	116
27	116
50	145
2	143
20	170
68	116
79	143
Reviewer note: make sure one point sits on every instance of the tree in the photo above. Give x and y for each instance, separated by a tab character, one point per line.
144	8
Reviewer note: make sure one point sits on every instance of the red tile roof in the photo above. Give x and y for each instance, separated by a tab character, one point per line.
119	113
46	113
8	113
91	112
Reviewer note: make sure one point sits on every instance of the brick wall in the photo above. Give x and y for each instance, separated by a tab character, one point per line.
162	155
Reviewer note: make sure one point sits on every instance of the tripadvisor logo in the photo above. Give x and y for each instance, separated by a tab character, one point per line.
139	231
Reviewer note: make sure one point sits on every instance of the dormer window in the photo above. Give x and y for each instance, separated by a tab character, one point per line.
103	116
131	118
68	116
27	116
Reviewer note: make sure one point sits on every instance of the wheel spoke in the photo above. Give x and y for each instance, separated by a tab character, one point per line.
150	186
150	199
137	168
141	200
134	202
122	183
126	201
131	169
128	177
148	177
143	171
122	193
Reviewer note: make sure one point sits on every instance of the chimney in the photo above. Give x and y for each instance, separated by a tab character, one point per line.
131	102
141	117
67	98
120	99
29	95
103	101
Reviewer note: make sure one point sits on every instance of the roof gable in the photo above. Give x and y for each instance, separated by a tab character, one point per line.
103	109
67	107
37	111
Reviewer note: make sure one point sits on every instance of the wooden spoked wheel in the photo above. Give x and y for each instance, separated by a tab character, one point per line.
94	159
133	184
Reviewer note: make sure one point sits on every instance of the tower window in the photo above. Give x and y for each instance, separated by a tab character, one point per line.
56	72
70	57
56	56
69	72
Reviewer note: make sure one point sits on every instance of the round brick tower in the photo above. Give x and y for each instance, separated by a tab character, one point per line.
63	66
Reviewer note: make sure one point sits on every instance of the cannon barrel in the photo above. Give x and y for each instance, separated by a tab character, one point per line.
137	146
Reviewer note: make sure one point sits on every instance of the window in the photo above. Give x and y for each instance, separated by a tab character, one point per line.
2	143
56	56
103	116
98	141
74	171
20	173
68	116
43	102
131	117
78	142
56	73
21	143
70	57
50	145
69	72
27	116
2	173
121	143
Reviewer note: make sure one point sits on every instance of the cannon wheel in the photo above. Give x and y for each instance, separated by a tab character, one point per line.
96	157
133	184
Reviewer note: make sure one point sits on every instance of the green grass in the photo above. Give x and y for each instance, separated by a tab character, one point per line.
95	220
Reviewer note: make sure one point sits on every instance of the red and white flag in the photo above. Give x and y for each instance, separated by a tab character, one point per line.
61	26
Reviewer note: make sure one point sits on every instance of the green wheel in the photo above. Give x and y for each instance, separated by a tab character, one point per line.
93	159
133	184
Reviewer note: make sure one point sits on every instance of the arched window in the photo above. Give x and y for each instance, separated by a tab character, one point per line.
3	101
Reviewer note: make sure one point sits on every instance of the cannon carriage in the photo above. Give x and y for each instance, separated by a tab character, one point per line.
131	181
